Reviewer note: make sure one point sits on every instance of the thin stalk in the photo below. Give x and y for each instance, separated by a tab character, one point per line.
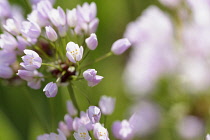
98	59
72	96
32	106
51	65
52	114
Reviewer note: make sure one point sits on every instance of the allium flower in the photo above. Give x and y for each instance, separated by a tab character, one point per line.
87	12
100	132
51	34
82	134
12	26
94	113
64	128
57	17
52	136
207	137
82	121
7	57
122	130
107	105
5	72
74	53
44	7
5	10
91	77
71	109
22	43
71	18
30	30
120	46
31	60
8	42
51	89
92	41
69	122
36	17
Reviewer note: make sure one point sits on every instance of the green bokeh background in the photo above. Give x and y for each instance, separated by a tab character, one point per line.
18	104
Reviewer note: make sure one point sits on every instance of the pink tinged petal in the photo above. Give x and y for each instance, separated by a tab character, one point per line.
71	18
12	26
50	89
63	127
5	72
89	74
93	25
76	123
92	41
44	7
69	122
120	46
8	42
71	109
25	75
22	43
100	132
94	114
51	34
97	79
7	57
70	57
107	105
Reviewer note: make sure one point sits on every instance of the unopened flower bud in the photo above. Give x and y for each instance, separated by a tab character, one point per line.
92	41
51	34
51	89
120	46
94	113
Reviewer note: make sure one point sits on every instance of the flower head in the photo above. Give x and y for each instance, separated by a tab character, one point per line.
100	132
57	17
31	60
91	77
94	113
82	134
51	89
74	53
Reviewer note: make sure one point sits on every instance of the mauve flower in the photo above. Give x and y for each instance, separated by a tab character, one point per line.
51	89
107	105
190	127
5	10
36	17
94	114
69	122
207	137
91	77
93	25
57	17
44	7
85	120
120	46
12	26
71	18
30	30
5	72
31	60
74	53
92	41
87	12
82	134
7	57
71	109
76	123
52	136
64	128
100	133
22	43
8	42
51	34
122	130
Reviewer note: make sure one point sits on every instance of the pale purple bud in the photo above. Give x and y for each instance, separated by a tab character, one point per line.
82	134
71	109
37	17
100	133
22	43
44	7
207	137
30	29
57	17
31	60
93	25
51	89
8	42
12	26
122	130
107	105
62	30
63	127
7	57
5	10
74	53
91	77
92	41
120	46
76	123
87	12
51	34
94	114
71	18
5	72
69	122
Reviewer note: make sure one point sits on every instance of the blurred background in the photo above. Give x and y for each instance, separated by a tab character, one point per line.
164	76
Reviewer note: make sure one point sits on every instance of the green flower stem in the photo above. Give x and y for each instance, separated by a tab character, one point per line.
51	65
98	59
43	53
35	112
51	104
73	98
